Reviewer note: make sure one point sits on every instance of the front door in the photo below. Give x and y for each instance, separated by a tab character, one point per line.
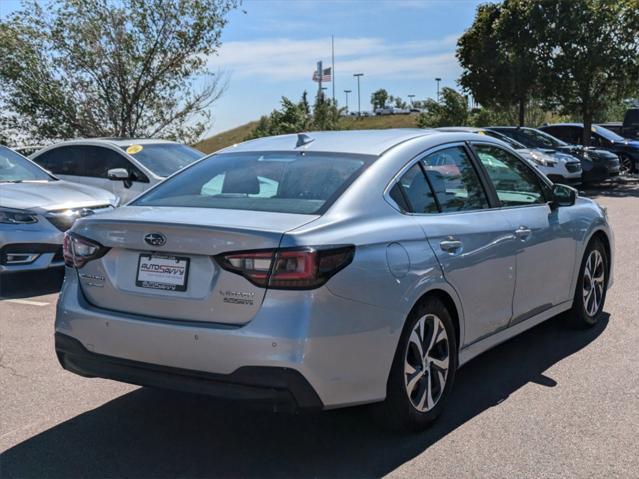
545	242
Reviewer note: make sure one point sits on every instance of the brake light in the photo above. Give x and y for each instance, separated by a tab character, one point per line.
299	268
78	250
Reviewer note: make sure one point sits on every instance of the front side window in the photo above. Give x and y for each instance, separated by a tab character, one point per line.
305	183
454	180
516	184
64	160
99	160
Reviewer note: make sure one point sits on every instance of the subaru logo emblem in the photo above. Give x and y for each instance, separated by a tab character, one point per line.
155	239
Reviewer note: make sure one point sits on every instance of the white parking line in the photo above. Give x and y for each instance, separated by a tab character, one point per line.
27	301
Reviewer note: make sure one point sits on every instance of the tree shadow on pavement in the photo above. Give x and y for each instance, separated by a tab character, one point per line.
150	433
620	189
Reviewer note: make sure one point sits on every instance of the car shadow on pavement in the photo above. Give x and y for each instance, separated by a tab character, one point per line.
30	283
151	433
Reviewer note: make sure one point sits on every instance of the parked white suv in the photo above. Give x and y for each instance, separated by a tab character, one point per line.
125	167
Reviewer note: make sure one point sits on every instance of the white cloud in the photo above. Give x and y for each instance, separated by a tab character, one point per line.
287	59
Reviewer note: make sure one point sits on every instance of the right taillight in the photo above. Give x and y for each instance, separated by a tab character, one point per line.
294	268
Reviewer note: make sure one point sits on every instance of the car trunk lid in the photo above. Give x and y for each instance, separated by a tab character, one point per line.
178	278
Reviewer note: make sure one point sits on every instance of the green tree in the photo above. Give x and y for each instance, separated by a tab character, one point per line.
399	103
379	98
593	61
499	52
297	117
452	110
112	67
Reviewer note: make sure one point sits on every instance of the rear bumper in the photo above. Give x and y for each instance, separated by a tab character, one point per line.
280	388
341	348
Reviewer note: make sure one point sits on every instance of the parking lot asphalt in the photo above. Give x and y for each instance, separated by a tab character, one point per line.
552	402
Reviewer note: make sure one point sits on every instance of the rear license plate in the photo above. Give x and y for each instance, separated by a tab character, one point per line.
169	273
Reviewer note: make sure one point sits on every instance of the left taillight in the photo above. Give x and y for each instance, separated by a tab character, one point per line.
289	268
78	250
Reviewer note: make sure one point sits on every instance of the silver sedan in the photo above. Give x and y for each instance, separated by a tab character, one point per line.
35	210
330	269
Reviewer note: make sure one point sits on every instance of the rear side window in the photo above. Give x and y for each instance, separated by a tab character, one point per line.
64	160
444	181
306	183
454	180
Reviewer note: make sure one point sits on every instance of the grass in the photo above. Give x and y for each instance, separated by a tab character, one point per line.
239	134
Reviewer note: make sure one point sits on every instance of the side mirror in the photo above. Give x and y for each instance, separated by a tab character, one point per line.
118	174
563	195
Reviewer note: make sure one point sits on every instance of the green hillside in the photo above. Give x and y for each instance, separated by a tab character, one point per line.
239	134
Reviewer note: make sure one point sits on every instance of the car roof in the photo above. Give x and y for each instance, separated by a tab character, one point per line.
365	142
468	129
564	124
112	141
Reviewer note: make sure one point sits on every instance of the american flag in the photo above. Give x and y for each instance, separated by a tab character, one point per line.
326	75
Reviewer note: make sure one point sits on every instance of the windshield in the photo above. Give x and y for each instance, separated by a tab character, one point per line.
533	138
607	134
15	169
163	159
305	183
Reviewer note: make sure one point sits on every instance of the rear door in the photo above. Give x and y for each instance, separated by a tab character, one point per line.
545	247
473	243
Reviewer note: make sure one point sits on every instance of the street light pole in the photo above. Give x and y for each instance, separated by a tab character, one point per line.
347	92
359	103
411	96
438	80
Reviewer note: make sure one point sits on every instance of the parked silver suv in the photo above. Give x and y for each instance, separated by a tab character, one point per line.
330	269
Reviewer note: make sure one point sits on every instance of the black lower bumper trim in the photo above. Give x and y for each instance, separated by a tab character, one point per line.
280	388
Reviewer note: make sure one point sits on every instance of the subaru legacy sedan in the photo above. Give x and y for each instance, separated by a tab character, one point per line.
330	269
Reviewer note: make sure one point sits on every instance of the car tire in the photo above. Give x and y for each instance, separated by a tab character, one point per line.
592	283
417	386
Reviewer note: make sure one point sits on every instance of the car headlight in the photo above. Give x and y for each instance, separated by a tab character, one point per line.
17	217
542	159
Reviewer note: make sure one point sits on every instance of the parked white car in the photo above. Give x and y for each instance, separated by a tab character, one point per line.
125	167
391	110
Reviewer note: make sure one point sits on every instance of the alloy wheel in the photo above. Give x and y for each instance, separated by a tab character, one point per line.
625	165
426	363
593	282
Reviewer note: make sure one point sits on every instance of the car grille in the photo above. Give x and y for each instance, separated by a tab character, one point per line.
573	167
64	219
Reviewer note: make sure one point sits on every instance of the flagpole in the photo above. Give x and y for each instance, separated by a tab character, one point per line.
333	67
320	71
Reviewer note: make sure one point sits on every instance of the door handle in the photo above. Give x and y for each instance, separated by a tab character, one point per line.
450	245
523	233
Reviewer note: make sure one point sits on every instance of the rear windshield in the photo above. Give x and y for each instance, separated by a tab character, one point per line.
534	138
305	183
163	159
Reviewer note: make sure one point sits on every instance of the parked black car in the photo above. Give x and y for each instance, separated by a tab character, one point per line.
629	128
596	165
601	138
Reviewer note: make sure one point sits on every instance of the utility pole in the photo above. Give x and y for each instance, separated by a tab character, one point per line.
347	92
333	65
359	98
438	80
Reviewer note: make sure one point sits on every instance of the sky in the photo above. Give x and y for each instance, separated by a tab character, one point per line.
271	47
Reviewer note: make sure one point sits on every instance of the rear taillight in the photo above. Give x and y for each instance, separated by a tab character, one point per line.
78	251
298	268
